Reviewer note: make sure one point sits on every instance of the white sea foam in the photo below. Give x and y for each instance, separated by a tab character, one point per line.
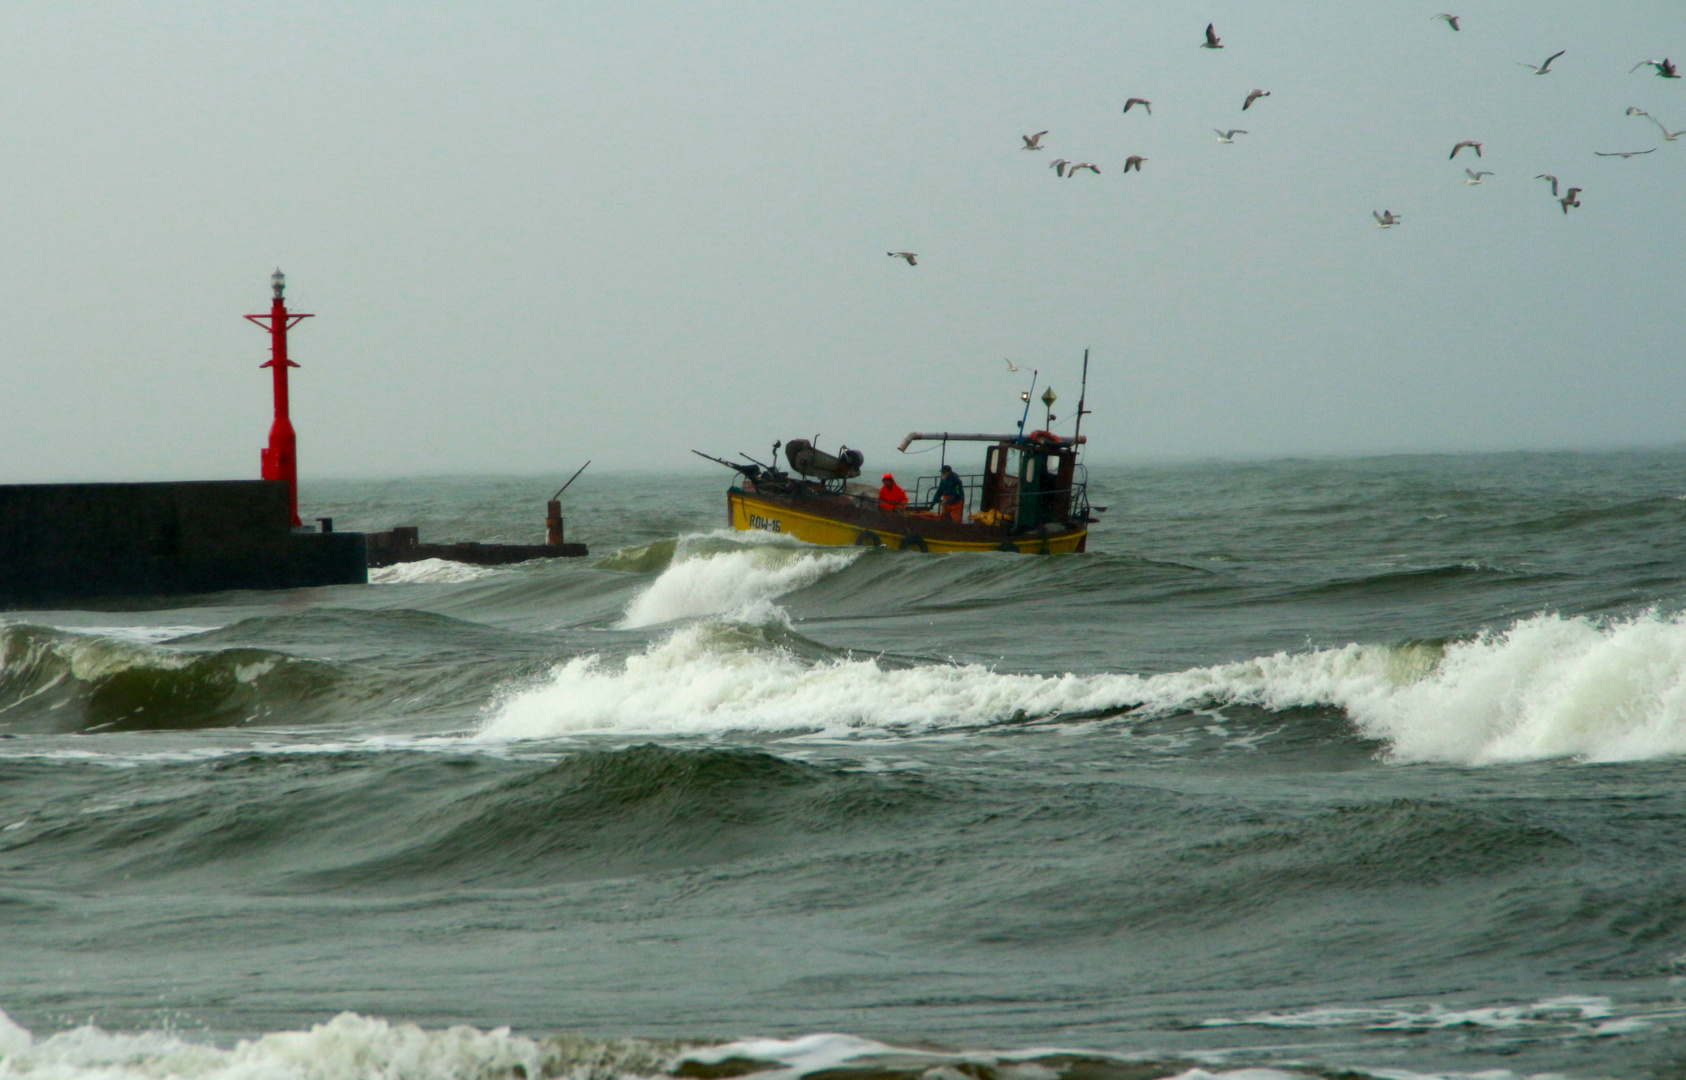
1548	687
809	1054
1574	1010
701	579
349	1047
353	1047
430	572
1250	1074
138	635
691	682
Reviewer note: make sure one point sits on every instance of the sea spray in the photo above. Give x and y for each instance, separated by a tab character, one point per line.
356	1047
1547	687
701	678
348	1047
431	572
720	573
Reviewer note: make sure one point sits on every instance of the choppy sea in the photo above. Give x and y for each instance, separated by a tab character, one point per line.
1323	768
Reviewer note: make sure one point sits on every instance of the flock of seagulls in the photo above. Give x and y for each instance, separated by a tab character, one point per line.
1133	163
1569	198
1385	219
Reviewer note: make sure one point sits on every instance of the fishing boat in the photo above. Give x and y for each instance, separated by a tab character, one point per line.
1031	496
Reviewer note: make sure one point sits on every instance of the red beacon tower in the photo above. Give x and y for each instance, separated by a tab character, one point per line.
280	457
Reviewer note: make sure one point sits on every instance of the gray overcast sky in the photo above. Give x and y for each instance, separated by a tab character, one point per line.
538	232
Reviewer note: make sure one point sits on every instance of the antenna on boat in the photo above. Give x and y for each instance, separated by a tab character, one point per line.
1082	396
1024	396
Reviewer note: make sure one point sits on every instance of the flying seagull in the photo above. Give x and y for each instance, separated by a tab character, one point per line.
1143	102
1467	142
1010	365
1229	136
1624	153
1033	142
1570	200
1387	219
1668	135
1071	170
1211	41
1058	165
1254	96
912	259
1545	67
1553	179
1665	68
1475	177
1134	161
1451	20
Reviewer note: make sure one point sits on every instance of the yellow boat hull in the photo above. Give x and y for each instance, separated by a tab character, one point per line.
751	513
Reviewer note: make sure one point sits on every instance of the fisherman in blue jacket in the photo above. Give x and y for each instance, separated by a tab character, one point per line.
950	499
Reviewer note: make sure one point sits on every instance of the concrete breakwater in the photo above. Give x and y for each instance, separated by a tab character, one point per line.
69	542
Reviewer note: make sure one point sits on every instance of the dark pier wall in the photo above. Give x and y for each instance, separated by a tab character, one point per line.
62	542
403	544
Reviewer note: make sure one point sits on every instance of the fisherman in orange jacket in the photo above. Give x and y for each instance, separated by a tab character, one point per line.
891	498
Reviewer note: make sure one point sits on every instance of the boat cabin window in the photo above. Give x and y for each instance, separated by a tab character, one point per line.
1030	487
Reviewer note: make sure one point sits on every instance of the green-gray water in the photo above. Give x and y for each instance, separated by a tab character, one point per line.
1363	766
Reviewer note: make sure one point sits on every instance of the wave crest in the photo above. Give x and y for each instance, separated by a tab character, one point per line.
726	572
57	680
1547	687
348	1047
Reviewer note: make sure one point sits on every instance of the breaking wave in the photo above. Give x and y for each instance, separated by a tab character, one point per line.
725	572
1592	1016
59	680
430	572
349	1047
354	1047
1547	687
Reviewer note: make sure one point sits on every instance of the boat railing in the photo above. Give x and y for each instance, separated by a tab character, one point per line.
925	492
1020	506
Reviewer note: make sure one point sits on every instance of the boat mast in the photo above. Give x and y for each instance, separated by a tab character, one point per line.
1082	396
